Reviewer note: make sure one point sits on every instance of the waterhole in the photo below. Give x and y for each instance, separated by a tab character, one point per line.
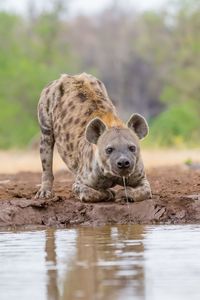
111	262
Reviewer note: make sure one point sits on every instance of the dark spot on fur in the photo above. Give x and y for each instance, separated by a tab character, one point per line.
67	137
71	146
88	112
79	81
41	150
42	117
47	140
44	161
61	88
65	126
63	113
101	107
82	97
70	120
48	105
77	121
47	91
55	125
72	107
70	103
93	105
45	131
99	82
83	123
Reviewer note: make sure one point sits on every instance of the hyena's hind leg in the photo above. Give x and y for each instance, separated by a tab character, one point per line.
46	155
46	151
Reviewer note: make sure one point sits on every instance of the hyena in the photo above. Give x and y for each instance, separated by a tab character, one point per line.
75	112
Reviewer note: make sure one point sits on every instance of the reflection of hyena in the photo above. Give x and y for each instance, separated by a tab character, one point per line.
77	114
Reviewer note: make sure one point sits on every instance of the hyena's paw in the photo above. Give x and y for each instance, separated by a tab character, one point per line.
132	195
122	198
88	194
96	196
44	194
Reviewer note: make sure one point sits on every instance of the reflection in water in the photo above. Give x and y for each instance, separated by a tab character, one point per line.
120	262
50	249
60	247
108	263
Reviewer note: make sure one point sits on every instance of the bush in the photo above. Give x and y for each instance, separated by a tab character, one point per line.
179	125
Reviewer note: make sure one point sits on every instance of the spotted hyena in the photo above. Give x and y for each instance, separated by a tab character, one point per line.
76	113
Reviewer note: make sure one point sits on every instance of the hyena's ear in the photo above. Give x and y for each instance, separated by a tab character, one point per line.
94	130
139	125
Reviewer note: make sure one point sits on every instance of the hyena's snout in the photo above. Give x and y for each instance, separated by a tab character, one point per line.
123	164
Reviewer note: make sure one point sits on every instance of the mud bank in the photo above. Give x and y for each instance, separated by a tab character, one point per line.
176	199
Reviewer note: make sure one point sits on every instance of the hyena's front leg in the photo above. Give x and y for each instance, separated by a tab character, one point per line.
135	194
88	194
46	155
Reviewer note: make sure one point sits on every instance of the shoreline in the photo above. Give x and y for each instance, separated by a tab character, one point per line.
176	200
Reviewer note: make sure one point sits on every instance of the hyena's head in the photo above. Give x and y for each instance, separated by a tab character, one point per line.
117	148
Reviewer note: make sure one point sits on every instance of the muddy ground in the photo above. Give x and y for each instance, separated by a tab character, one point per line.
176	199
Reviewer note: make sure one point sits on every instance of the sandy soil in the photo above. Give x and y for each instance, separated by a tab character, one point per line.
176	199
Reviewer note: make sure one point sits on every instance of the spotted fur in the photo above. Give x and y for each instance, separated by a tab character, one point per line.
65	109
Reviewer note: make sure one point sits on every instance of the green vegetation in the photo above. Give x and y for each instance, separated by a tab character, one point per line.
28	61
178	126
150	61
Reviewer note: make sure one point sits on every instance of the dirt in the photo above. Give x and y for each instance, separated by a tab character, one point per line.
176	200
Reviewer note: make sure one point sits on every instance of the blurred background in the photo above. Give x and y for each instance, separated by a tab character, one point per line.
146	52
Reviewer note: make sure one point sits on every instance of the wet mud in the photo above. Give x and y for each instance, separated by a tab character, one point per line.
176	200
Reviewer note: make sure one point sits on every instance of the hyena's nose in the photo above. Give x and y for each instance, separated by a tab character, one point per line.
123	163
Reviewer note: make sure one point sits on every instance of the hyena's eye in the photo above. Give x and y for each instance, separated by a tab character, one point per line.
109	150
132	148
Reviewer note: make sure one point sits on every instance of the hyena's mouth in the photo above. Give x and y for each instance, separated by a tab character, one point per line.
124	172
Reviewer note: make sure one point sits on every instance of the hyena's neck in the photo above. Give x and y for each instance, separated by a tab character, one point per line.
110	119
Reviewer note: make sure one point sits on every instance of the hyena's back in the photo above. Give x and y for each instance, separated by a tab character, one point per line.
65	108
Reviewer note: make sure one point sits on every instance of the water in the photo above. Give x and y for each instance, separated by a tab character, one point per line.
118	262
